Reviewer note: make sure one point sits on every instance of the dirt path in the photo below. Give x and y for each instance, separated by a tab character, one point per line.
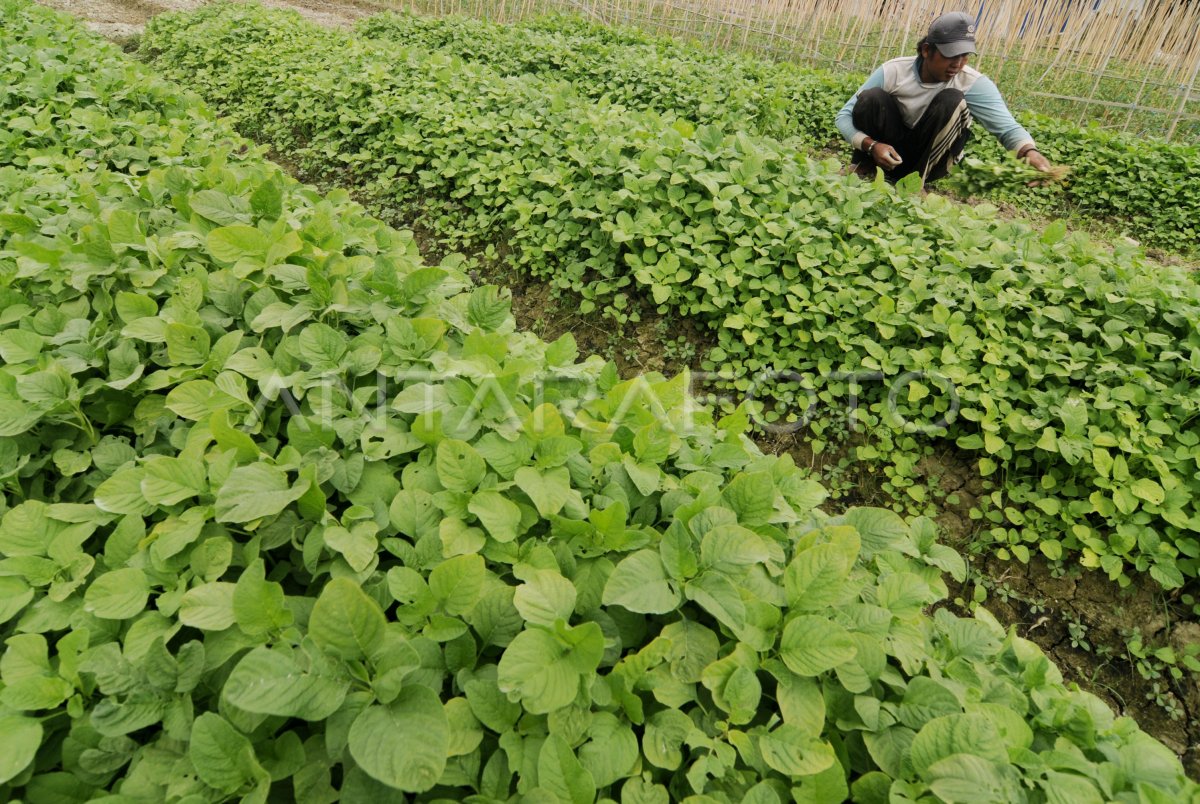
120	20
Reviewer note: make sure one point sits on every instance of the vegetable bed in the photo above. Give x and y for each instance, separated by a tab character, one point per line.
1148	189
266	537
1065	366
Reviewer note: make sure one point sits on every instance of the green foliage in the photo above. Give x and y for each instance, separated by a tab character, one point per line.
1072	364
624	67
1146	188
228	573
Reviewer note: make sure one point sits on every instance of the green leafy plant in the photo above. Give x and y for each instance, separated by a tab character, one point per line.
975	176
1064	365
232	569
1145	188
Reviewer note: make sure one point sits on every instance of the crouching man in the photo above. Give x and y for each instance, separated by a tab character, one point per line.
914	113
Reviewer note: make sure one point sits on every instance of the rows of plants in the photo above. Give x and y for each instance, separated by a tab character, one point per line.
637	71
1066	367
288	515
1148	189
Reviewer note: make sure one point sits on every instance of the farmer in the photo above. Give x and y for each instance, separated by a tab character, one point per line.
914	113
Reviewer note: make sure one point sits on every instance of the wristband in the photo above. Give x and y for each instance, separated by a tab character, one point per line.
1027	152
872	148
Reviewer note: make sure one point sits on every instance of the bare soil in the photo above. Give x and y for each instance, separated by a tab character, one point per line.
123	20
1080	619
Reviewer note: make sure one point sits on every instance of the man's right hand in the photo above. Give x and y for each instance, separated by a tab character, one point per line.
885	156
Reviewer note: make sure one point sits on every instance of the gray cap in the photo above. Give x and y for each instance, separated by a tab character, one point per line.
953	34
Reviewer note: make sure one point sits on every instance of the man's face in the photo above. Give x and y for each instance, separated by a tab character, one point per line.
936	68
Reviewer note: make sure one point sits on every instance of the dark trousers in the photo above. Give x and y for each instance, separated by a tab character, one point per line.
934	144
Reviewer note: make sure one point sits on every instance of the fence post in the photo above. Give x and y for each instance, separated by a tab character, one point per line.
1183	102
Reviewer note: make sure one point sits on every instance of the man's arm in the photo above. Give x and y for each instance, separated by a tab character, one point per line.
845	118
986	105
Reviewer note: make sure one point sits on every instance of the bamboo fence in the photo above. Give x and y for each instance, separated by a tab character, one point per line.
1131	65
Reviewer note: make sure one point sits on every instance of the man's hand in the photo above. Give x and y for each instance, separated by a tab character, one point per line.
1040	163
885	155
1036	160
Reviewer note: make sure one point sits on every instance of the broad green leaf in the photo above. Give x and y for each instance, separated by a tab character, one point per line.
122	493
716	593
255	491
174	535
116	719
1148	761
345	621
35	693
640	584
879	529
15	595
904	594
457	582
267	200
965	779
646	477
814	579
258	604
321	345
16	417
543	673
812	645
208	607
664	737
20	346
20	738
197	400
693	647
561	773
732	545
826	786
549	490
490	706
740	695
168	481
801	704
488	307
1074	415
465	731
926	699
413	513
459	466
1148	490
357	544
890	748
956	734
639	791
611	752
499	515
1068	788
788	750
187	345
458	538
752	497
404	744
544	597
270	682
117	595
222	756
232	243
27	529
